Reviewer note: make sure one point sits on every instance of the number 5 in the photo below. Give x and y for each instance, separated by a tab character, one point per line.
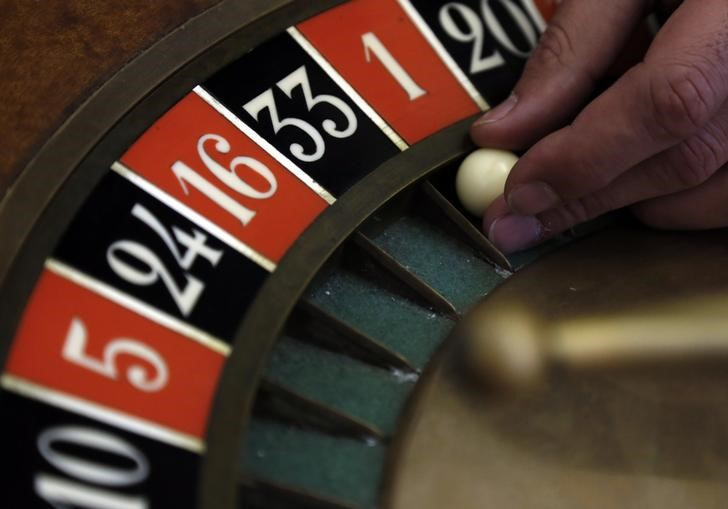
138	375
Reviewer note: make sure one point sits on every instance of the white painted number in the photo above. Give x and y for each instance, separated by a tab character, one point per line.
372	45
61	492
74	350
299	78
194	243
85	470
185	298
227	176
475	33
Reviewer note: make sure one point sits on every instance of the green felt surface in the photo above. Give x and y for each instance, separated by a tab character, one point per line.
449	266
370	394
334	467
400	324
343	468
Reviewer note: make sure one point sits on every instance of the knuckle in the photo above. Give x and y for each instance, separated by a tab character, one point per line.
568	166
574	212
699	157
598	203
587	174
554	47
682	99
554	221
571	213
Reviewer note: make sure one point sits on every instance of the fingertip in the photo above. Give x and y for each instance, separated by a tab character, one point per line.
497	113
525	117
512	232
498	208
510	125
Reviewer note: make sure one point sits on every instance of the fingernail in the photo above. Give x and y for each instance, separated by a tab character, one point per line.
499	112
512	233
532	198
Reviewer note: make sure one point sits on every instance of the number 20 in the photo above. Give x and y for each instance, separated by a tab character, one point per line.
476	34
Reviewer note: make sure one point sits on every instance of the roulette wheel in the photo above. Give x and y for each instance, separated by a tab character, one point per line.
229	279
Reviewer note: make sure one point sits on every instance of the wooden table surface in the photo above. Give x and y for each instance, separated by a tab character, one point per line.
55	53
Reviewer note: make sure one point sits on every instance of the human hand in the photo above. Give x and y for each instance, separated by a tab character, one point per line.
657	139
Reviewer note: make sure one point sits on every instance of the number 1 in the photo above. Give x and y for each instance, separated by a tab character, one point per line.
374	45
